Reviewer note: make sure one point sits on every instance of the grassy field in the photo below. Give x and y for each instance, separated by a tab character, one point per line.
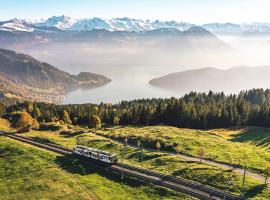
250	146
159	162
27	172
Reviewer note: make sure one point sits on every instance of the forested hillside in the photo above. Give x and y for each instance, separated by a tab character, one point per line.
230	80
22	76
194	110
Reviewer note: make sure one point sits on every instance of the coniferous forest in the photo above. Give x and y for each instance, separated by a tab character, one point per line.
194	110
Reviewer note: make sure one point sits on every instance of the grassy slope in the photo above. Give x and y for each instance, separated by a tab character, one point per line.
160	162
24	175
29	173
240	146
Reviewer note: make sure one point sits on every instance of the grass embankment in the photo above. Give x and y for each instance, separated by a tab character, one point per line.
161	162
250	146
25	175
27	172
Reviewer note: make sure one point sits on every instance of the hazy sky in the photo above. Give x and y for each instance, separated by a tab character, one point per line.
195	11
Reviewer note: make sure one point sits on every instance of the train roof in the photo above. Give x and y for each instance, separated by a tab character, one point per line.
94	150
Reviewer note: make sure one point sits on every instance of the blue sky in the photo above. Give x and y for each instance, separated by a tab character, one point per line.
195	11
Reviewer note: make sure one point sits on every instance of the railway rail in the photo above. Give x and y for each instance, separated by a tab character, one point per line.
180	185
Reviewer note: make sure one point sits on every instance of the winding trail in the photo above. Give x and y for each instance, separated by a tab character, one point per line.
254	175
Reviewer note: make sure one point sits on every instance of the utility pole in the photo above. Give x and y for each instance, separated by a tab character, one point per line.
244	179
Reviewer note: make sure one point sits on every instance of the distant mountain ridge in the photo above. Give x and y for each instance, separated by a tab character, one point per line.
115	24
202	80
29	78
127	24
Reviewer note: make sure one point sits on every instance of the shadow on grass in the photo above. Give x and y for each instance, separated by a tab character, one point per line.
75	165
258	136
255	190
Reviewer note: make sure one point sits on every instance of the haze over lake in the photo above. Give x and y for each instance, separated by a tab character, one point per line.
132	59
126	85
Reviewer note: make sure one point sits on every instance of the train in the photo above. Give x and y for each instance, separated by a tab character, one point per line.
95	154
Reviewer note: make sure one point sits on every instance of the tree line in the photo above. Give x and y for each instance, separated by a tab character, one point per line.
194	110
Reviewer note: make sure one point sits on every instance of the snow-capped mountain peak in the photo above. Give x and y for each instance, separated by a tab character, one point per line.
127	24
16	25
61	22
115	24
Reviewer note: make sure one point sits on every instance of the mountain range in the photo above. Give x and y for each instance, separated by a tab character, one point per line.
55	42
22	76
231	80
126	24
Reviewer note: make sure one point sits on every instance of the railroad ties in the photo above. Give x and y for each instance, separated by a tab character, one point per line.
180	185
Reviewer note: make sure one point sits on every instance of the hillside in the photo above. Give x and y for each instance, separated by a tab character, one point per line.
23	76
202	80
172	164
31	173
220	144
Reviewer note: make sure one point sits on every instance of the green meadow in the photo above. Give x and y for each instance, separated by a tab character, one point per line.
162	162
250	146
27	172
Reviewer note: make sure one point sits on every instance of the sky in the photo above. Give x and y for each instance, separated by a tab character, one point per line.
193	11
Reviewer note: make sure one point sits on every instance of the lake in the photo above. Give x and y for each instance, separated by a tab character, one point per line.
128	84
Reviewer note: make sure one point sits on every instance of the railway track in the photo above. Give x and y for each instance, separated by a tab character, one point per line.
184	186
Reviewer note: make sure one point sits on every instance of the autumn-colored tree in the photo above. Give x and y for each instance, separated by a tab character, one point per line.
201	153
26	122
66	118
94	122
35	124
158	146
95	110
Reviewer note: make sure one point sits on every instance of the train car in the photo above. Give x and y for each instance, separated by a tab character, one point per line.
95	154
